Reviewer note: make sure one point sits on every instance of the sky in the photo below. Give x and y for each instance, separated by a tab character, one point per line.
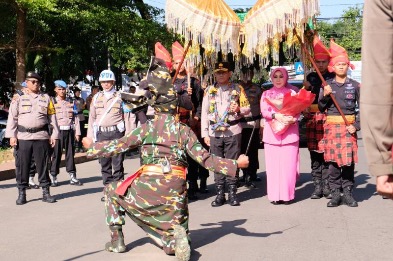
329	8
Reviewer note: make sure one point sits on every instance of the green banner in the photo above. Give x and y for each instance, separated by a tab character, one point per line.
241	16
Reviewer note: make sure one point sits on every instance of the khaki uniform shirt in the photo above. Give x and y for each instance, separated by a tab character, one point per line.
115	116
31	110
65	115
222	99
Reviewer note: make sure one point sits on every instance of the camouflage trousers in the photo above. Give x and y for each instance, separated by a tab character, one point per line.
155	202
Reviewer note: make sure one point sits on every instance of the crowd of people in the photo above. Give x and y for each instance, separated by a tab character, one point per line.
194	130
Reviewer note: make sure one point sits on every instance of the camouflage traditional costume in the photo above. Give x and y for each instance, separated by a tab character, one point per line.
156	201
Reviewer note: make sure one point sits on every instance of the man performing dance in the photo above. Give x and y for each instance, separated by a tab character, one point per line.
155	196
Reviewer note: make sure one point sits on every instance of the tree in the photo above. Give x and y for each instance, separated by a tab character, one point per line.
346	31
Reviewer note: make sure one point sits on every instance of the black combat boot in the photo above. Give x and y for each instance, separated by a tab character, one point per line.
248	182
348	198
203	186
46	197
317	194
220	199
336	198
327	193
22	197
232	197
117	240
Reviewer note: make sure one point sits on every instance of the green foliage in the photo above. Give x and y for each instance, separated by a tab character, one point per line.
67	37
346	31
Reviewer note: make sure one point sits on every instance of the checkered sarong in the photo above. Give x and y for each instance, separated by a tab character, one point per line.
339	145
314	130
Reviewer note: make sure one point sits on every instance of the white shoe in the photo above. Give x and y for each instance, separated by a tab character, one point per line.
54	182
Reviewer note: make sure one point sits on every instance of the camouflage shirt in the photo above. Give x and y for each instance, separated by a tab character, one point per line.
162	138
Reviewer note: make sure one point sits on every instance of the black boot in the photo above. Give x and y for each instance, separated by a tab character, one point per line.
220	199
232	197
22	197
317	194
203	186
336	198
327	193
46	197
348	198
117	240
248	183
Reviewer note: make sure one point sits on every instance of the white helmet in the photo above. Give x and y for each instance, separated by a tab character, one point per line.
107	75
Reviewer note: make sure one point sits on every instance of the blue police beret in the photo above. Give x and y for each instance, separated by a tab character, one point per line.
60	83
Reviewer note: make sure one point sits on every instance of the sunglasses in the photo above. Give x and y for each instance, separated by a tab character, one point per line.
34	81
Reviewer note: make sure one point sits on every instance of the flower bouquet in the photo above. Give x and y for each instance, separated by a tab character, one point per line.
290	105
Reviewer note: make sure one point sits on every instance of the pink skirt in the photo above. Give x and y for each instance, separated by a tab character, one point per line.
282	170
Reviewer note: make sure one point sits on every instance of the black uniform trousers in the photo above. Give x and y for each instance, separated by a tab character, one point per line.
229	148
116	161
252	150
33	169
25	151
195	171
341	177
66	142
319	168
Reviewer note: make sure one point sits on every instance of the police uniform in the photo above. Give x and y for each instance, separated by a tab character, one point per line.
29	119
250	126
107	121
69	126
224	129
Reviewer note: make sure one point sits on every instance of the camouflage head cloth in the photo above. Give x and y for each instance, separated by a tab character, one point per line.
159	83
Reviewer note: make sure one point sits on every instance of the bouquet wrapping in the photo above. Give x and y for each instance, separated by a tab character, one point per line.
290	105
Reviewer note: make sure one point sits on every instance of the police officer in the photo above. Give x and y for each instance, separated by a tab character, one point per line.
108	121
251	126
28	123
69	131
190	89
224	104
80	106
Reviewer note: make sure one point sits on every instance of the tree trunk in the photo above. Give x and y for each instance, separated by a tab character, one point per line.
20	45
141	6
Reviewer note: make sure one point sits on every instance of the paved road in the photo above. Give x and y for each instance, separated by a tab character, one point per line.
74	227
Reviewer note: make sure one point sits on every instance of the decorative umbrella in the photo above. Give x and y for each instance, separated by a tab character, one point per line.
268	20
211	23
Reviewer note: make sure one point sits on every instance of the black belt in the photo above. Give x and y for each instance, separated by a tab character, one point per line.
33	130
231	123
253	118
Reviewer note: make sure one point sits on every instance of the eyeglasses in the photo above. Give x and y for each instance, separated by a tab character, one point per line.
275	77
34	81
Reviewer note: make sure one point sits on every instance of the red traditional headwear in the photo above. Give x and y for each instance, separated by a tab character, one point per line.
320	51
163	54
338	54
177	51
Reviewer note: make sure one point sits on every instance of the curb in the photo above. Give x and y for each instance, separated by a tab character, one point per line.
7	170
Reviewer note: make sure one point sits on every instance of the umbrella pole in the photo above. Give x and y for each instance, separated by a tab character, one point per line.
181	62
320	76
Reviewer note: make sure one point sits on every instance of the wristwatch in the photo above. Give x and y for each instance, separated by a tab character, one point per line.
273	116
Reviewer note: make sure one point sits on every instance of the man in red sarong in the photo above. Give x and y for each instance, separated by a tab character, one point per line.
340	140
315	121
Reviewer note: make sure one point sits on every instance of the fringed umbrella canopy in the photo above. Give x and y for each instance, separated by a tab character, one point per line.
268	20
211	23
